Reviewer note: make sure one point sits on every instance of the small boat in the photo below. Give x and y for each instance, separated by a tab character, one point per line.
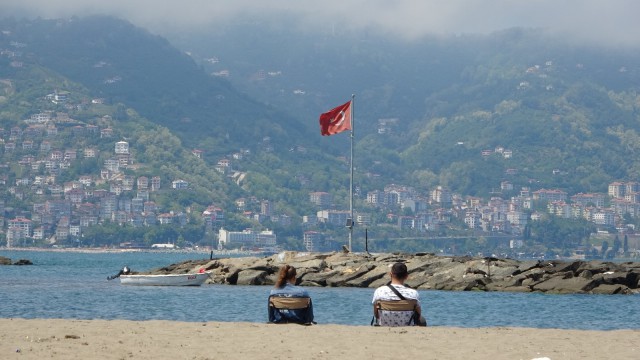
196	279
127	277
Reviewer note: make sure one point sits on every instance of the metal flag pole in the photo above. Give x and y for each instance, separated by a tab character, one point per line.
350	223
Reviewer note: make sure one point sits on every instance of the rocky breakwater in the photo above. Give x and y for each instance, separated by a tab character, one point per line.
426	271
7	261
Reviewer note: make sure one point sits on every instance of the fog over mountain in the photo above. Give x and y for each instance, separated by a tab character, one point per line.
606	22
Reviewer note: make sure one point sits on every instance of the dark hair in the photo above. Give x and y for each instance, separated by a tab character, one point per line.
399	271
286	272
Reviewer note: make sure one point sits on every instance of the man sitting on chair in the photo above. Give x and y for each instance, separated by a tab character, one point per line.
396	291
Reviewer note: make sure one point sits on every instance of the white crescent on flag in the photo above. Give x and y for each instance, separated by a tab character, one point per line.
339	120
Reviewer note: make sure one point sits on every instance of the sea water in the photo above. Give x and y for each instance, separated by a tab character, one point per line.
72	285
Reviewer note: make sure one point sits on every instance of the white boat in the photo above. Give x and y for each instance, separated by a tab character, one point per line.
195	279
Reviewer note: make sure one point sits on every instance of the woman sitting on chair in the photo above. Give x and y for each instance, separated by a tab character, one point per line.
288	302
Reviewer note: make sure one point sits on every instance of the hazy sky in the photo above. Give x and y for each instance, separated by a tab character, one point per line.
608	21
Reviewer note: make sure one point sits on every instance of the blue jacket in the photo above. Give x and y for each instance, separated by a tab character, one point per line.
299	316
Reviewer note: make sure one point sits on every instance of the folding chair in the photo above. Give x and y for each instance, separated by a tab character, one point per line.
396	313
286	309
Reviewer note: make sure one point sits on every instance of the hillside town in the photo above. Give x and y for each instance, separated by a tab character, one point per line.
62	206
434	211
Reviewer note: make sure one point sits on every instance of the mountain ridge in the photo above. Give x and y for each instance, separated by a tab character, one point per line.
491	115
569	95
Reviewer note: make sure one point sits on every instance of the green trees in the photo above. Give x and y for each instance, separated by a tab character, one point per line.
625	245
558	233
616	247
604	248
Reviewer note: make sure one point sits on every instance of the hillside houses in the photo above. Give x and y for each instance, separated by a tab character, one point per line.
431	210
61	211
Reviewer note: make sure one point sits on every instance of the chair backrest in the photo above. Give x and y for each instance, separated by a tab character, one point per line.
291	303
284	309
396	312
397	305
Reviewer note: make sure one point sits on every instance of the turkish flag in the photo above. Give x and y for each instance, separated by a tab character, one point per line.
336	120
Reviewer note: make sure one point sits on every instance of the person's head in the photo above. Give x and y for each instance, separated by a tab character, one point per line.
287	274
399	272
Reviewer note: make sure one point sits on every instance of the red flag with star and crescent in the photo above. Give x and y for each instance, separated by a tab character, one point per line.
336	120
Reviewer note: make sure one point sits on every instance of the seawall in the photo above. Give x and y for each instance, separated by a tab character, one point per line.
426	271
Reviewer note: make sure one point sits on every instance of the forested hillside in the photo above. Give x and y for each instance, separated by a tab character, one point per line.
568	112
473	115
83	76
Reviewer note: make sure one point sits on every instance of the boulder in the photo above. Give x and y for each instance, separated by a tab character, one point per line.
311	265
587	274
376	273
502	269
416	280
476	285
180	268
560	285
319	278
561	267
426	264
597	266
225	271
526	265
23	262
611	289
338	259
344	276
617	278
251	277
5	260
449	274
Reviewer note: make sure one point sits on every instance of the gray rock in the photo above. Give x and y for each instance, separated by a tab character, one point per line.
587	274
23	262
526	265
342	278
611	289
312	265
376	273
251	277
562	285
319	278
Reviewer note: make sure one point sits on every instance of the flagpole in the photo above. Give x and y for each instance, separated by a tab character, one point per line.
353	96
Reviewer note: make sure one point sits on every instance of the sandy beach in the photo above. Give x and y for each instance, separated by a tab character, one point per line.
121	339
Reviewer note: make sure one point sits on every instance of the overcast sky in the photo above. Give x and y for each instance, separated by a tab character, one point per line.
605	21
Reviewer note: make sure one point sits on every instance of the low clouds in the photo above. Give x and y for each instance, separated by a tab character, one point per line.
612	22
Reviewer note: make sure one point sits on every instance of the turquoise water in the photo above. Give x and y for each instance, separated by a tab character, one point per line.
74	286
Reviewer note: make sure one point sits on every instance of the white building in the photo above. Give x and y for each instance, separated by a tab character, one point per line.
334	217
246	238
312	240
179	184
122	147
517	218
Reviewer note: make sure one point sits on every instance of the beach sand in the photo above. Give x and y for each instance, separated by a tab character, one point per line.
122	339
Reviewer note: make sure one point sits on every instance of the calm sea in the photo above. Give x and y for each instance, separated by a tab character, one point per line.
74	286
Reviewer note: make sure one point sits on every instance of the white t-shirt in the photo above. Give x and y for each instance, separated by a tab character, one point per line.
394	318
384	293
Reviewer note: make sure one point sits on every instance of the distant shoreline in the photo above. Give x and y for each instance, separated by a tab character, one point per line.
117	251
